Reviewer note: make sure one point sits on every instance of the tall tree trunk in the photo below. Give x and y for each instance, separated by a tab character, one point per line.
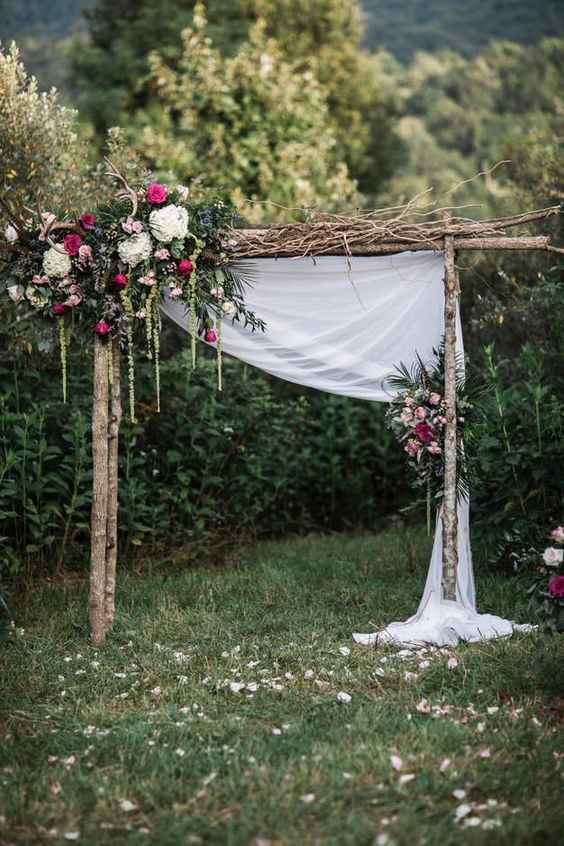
450	527
99	515
113	454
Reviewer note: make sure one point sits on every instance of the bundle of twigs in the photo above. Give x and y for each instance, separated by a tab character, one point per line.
385	230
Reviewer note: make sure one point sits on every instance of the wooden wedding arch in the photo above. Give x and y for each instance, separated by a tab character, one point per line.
383	232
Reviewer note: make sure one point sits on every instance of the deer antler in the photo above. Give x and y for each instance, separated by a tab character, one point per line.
128	192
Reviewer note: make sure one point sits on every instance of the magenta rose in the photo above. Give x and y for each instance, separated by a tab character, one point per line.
102	328
424	433
411	447
185	267
556	586
58	309
72	244
156	193
120	281
420	412
87	221
210	336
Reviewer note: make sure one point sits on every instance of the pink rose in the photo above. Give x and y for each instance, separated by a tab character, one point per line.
148	280
406	416
87	221
411	447
156	193
58	309
102	328
174	292
40	280
120	281
556	586
185	267
409	402
435	399
425	433
434	448
131	226
72	244
85	253
210	336
73	301
420	412
162	254
557	534
441	420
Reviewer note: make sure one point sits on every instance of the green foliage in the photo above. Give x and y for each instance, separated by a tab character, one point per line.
246	462
406	26
517	451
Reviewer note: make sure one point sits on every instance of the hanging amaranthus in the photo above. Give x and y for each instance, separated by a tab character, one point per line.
63	344
157	352
193	318
219	351
128	309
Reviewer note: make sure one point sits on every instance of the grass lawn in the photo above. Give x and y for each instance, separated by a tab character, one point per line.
154	739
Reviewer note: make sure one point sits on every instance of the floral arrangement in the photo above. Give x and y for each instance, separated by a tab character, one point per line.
105	272
552	593
417	418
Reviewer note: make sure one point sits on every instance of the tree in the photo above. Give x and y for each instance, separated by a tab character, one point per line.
247	125
319	37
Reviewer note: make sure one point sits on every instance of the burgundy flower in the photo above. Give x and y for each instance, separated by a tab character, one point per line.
72	244
424	433
210	336
185	267
156	193
120	281
556	586
58	309
87	221
102	328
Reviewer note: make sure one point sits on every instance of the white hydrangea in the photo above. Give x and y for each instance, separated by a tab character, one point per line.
169	223
135	249
56	264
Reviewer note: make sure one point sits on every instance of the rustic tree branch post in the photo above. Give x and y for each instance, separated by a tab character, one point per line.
99	514
449	515
113	485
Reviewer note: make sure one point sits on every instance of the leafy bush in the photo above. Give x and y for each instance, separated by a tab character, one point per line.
254	460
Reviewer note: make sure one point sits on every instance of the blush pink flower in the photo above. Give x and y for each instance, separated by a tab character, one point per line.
102	328
132	226
73	301
210	336
148	280
552	557
408	402
85	253
556	534
435	399
420	412
406	415
72	244
87	221
40	280
434	448
156	193
175	292
424	433
411	447
556	586
162	254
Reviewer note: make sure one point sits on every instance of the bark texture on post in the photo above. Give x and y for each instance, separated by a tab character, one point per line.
99	514
450	528
113	455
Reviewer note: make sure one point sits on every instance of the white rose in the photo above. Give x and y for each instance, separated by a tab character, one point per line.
552	557
15	292
56	263
169	223
229	308
135	249
11	233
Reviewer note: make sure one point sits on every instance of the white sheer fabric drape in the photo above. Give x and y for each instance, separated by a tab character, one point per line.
342	325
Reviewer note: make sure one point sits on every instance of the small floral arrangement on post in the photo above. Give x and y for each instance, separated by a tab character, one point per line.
417	418
105	272
551	592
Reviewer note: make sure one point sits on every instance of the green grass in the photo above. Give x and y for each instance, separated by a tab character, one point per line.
78	739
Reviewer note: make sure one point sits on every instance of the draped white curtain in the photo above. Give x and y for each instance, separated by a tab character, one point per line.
342	325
